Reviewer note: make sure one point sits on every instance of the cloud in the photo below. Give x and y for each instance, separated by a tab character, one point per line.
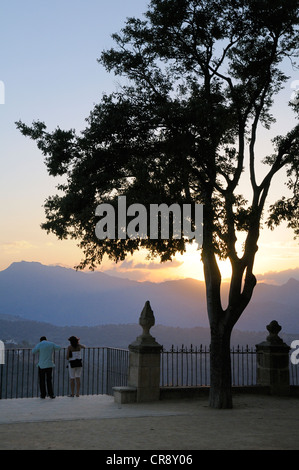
16	247
140	271
278	277
131	265
166	265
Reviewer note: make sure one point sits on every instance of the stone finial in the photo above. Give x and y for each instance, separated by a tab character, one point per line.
146	319
274	328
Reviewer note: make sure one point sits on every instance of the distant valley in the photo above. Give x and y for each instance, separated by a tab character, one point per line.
26	333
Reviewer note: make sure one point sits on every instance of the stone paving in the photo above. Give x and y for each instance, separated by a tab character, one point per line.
98	423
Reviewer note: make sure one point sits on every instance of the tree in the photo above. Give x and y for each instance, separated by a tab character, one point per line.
201	77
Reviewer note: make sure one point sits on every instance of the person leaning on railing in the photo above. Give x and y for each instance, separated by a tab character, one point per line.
74	357
45	365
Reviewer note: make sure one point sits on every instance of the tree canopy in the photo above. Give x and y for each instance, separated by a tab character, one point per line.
202	76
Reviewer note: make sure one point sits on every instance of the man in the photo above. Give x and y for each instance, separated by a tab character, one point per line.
45	365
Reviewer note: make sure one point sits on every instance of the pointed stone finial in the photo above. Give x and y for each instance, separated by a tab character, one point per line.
146	319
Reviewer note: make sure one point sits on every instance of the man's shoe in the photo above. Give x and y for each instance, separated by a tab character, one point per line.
52	396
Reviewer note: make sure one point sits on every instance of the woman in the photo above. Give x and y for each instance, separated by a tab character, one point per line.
74	357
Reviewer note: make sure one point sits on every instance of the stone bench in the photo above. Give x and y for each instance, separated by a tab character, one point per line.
125	394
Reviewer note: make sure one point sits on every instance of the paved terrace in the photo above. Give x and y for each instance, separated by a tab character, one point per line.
98	423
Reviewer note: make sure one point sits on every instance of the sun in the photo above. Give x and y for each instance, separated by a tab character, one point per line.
192	267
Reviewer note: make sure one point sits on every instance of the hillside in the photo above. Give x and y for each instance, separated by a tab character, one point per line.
26	333
64	297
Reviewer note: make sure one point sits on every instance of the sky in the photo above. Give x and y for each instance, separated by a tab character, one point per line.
49	72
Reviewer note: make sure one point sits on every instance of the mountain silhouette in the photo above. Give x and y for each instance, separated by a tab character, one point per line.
65	297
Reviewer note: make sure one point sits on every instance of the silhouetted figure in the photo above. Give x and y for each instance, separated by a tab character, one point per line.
45	365
75	364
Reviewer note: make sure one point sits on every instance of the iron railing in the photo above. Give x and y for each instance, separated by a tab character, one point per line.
191	366
105	368
185	366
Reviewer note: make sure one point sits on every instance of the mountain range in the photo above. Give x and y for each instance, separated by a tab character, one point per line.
64	297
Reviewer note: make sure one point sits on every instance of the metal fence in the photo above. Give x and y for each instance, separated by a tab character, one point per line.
191	366
185	366
105	368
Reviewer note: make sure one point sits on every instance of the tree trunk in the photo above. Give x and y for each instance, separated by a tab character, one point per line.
220	363
220	368
222	321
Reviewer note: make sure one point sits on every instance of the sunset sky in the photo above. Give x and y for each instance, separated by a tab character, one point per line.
49	70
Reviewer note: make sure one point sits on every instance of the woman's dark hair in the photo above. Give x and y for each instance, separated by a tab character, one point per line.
74	341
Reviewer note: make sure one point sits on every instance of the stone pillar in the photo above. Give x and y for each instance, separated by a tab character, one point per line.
144	360
144	365
273	362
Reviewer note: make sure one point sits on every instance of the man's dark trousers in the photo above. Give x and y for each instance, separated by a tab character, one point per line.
45	378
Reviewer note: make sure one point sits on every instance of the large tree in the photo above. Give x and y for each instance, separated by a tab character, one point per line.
200	79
